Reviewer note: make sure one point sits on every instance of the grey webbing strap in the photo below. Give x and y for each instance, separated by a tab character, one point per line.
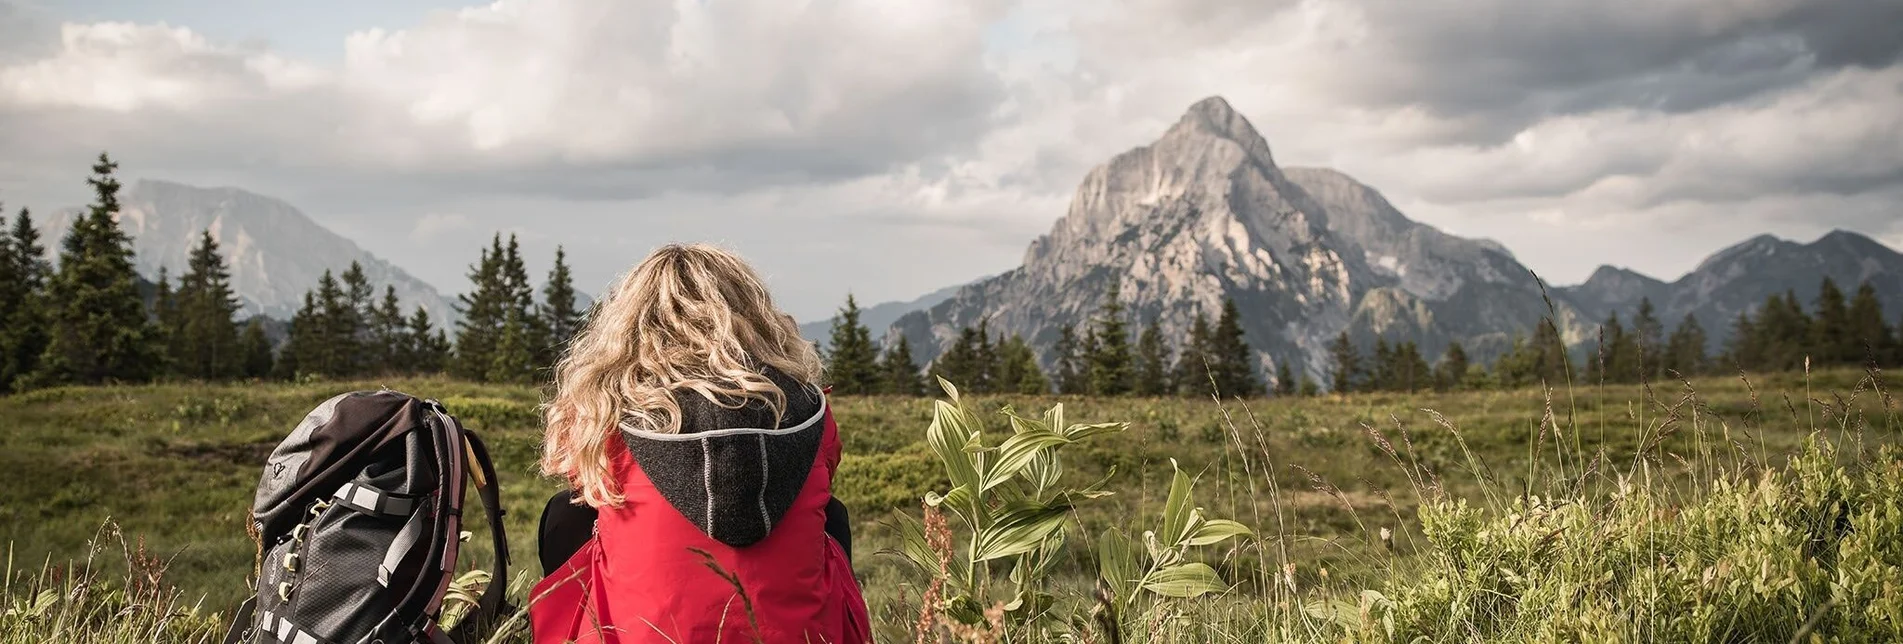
283	631
406	539
370	500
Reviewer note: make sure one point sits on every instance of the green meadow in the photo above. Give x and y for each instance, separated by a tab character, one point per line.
1720	509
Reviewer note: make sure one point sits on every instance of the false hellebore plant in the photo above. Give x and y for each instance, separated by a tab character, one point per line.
1012	509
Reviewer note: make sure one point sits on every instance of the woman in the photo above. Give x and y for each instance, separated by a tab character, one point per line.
686	417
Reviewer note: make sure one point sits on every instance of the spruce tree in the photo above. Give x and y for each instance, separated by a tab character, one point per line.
167	323
23	303
1831	336
559	312
1411	370
1112	369
1071	375
1618	356
256	351
1784	333
300	352
1308	389
963	364
1451	373
1347	360
483	309
523	337
1018	371
426	348
207	345
898	372
98	326
852	361
389	335
1869	332
1685	351
1235	361
1742	350
1284	379
337	348
1153	363
1195	365
514	357
1381	370
1649	340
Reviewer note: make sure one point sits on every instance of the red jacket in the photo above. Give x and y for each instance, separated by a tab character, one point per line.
755	499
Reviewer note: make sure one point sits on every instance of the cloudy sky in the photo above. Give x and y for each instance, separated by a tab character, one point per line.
892	148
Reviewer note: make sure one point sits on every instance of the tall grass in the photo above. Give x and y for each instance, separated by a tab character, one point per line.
1665	517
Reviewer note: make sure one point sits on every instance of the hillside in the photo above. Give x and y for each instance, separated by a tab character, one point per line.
275	252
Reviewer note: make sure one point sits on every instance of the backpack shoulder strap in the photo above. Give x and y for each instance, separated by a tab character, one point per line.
493	604
241	620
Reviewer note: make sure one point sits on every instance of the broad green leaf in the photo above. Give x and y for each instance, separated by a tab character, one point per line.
948	434
1017	452
1214	531
1022	425
1185	581
1118	563
950	390
1054	417
1081	432
961	504
1018	530
1176	511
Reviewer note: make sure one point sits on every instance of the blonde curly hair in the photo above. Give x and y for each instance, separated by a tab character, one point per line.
689	317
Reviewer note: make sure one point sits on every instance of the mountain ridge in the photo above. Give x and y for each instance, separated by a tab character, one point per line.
274	251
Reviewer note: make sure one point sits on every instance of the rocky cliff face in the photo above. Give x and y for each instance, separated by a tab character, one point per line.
275	252
1205	214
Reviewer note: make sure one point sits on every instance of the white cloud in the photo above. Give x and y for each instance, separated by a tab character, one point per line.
1557	127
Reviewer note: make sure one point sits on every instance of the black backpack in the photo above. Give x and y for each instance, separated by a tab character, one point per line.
358	523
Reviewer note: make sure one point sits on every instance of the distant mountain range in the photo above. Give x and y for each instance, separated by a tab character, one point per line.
878	316
1200	215
1204	214
274	251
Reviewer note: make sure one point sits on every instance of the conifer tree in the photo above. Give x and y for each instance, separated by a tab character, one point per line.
255	348
1308	389
300	352
898	372
484	309
523	338
1235	361
97	321
1411	371
1784	333
389	333
1742	350
1451	373
338	347
1617	358
965	363
206	342
1018	371
23	304
1153	363
1831	337
1648	336
1381	373
1195	365
1284	379
1112	369
1869	333
1072	376
167	323
1347	360
427	348
514	357
1685	351
559	312
852	365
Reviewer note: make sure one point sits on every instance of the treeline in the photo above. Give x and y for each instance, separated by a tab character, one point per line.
1782	336
88	321
1104	357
